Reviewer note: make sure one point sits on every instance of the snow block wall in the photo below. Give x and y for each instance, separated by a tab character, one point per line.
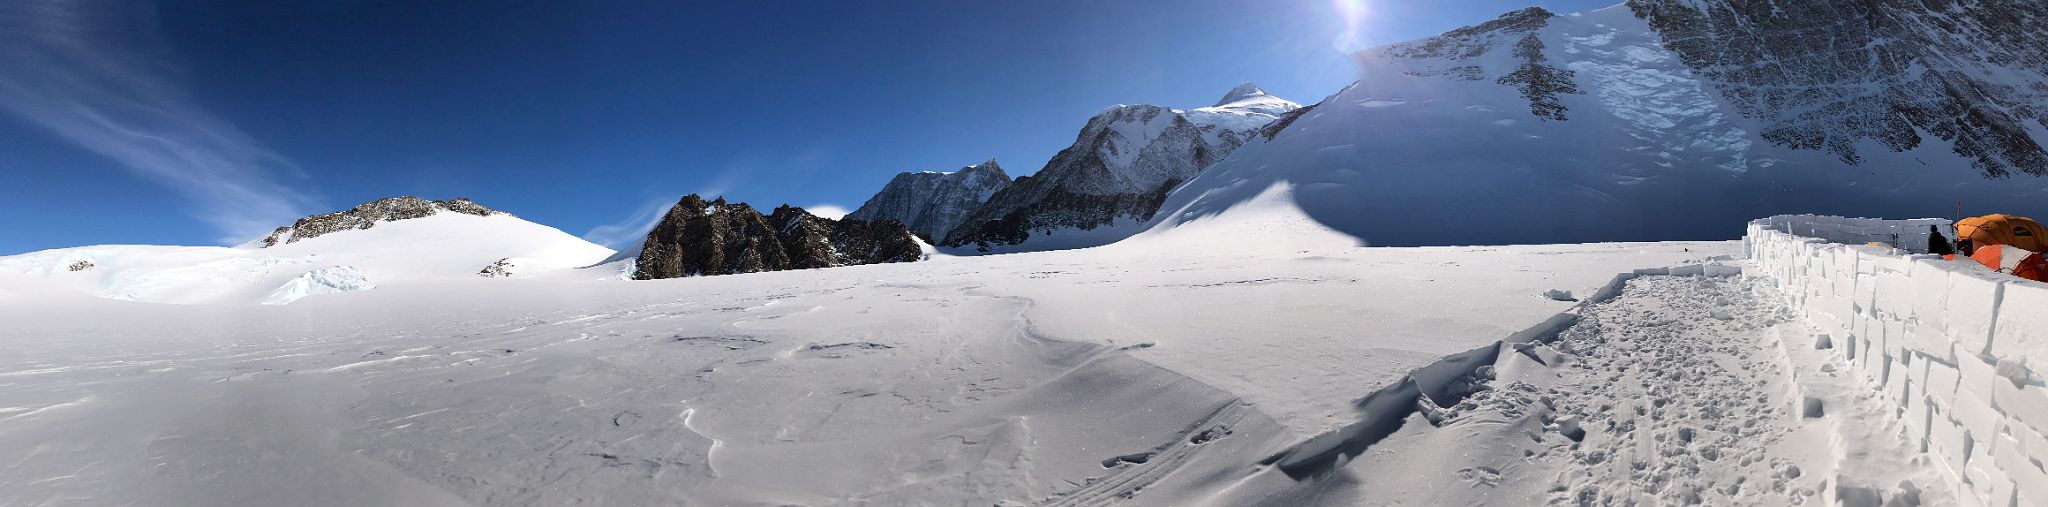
1906	234
1950	342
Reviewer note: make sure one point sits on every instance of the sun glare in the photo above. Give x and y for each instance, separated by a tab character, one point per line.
1353	12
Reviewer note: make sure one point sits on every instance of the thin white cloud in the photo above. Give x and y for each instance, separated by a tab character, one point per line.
95	73
632	229
832	211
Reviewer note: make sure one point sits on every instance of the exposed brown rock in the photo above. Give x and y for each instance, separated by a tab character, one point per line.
700	237
367	215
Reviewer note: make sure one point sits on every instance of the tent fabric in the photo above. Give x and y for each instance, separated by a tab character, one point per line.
2014	261
2000	229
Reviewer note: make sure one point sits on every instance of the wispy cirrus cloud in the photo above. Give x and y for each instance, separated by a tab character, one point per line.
627	231
98	74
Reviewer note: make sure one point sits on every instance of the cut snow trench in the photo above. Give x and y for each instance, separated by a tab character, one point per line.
1445	383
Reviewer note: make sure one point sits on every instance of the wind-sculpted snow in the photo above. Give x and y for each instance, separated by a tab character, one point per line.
1057	378
1833	75
325	280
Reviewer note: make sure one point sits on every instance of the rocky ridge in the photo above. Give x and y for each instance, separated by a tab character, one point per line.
1831	75
1120	167
699	238
933	203
367	215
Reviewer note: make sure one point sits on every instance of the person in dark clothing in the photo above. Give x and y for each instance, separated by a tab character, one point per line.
1938	244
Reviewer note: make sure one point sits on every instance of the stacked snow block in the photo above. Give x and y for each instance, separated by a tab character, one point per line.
1909	235
1952	343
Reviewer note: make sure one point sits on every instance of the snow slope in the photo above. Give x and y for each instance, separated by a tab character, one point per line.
1581	127
442	248
1145	370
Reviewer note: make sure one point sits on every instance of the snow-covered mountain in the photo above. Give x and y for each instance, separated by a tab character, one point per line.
933	203
387	242
367	215
1660	119
1117	171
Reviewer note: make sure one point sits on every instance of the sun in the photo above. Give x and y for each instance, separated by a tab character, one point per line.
1353	12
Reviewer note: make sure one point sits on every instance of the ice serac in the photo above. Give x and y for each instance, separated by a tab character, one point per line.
933	203
1117	171
699	237
1658	120
367	215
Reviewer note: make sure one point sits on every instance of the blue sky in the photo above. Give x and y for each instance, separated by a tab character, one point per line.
210	121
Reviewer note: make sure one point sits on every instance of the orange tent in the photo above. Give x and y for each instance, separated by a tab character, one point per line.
1989	230
2013	261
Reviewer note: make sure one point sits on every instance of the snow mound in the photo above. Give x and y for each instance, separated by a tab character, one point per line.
417	251
325	280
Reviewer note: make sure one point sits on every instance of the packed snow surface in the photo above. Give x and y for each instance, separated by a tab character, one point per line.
1154	369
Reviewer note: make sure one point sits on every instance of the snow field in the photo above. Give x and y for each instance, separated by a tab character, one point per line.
1950	344
1157	372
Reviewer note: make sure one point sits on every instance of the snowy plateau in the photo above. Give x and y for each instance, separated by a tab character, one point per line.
1178	367
1253	321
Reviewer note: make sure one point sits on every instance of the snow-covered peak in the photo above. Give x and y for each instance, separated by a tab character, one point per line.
1249	99
1124	161
1246	91
932	203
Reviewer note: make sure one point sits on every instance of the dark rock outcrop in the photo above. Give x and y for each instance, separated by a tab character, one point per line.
369	214
502	268
1539	81
699	237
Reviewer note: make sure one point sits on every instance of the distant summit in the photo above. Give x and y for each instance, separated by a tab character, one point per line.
1241	93
1118	170
367	215
933	203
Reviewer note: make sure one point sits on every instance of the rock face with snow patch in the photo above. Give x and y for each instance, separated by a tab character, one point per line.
501	268
367	215
1840	73
1658	120
1121	166
933	203
700	237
